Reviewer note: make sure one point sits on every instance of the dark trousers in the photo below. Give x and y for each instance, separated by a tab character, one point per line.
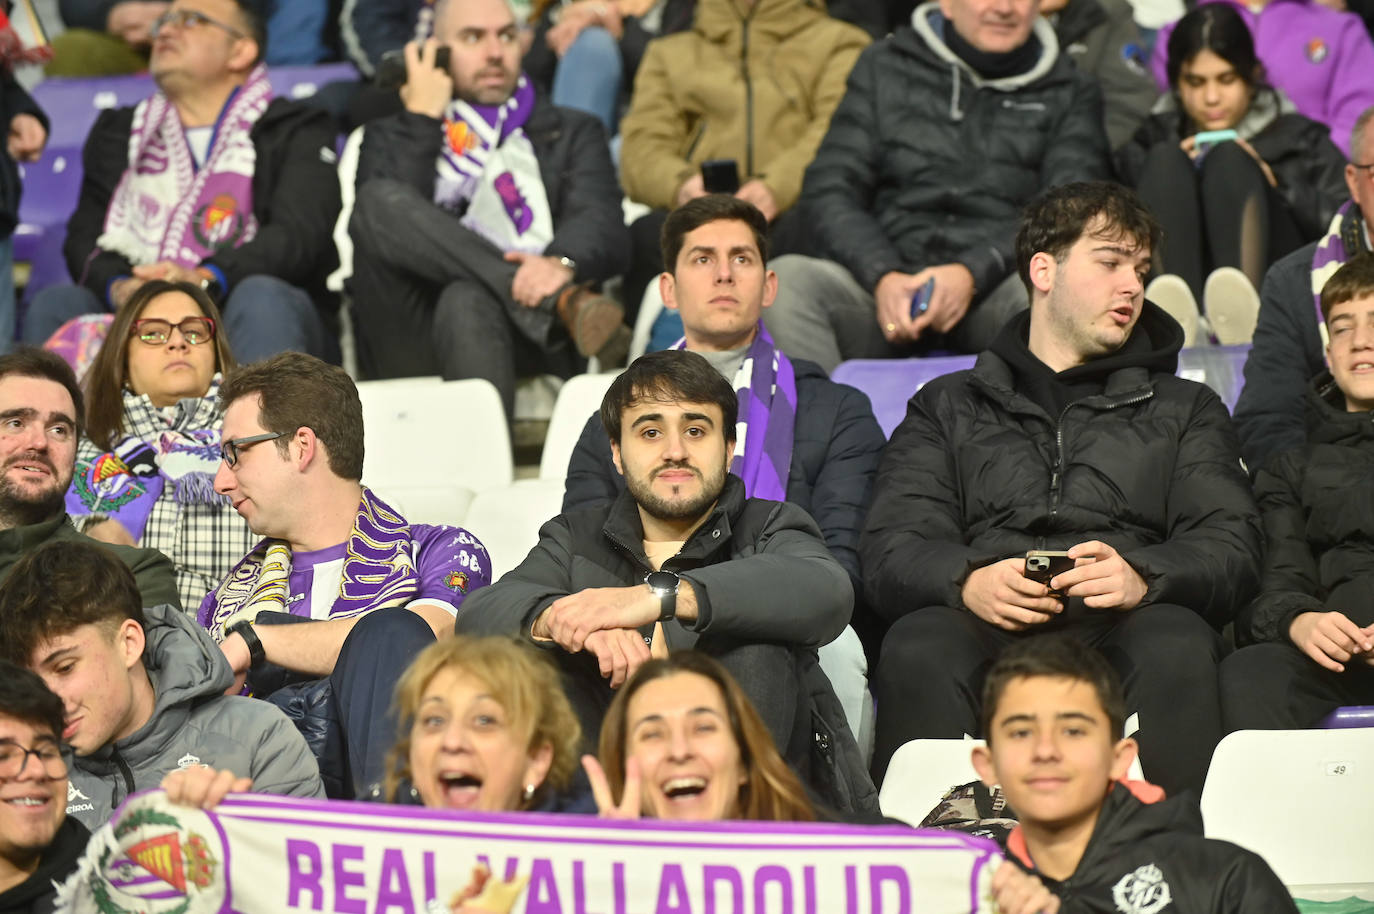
929	680
430	296
1277	687
1222	213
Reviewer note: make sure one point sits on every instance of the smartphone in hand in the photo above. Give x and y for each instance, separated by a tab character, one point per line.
391	69
1043	564
920	302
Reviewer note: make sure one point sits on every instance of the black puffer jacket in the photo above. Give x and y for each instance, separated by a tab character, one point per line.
579	179
927	163
977	472
1309	168
1318	508
38	893
1151	857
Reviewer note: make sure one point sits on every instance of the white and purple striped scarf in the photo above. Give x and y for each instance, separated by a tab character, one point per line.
764	430
1344	239
164	208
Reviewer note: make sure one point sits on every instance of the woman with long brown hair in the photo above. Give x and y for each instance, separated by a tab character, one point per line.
146	466
681	741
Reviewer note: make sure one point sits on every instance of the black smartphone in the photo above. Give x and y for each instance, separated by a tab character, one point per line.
720	176
1043	564
391	69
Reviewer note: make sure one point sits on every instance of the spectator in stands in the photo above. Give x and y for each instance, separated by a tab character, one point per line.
27	135
1102	39
483	219
753	83
42	408
682	742
1319	57
584	52
682	558
369	589
1253	199
523	757
145	467
808	440
142	689
1290	335
1312	625
946	130
39	845
212	182
1070	433
1054	715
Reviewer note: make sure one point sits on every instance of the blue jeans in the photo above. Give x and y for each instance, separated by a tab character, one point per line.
588	76
263	315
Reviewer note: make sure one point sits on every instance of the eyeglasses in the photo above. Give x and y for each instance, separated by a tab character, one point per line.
231	449
190	19
13	758
154	331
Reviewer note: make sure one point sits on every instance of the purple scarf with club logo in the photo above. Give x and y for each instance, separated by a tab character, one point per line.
165	208
767	389
487	170
1344	239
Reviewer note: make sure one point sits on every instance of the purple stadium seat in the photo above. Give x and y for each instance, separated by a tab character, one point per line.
1349	717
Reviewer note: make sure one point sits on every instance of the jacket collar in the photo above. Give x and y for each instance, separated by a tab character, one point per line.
625	530
18	540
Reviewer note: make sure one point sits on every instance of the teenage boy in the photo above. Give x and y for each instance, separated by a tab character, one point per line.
1054	714
142	689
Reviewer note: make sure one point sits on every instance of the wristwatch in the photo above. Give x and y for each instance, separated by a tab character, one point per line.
569	263
664	584
257	655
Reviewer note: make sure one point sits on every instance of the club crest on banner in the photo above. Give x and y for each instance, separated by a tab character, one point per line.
219	223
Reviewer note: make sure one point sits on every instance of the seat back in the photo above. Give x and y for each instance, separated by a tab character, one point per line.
890	383
921	772
1301	799
507	520
578	400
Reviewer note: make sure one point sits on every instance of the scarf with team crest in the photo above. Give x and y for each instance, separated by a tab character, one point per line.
164	208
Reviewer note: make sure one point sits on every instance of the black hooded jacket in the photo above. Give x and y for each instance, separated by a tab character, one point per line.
1318	508
38	894
1152	857
1142	460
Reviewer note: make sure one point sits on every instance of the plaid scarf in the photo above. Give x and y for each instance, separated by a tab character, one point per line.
1344	239
163	207
378	571
767	389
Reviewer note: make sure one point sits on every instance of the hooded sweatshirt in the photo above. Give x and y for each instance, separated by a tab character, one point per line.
1145	858
193	723
36	895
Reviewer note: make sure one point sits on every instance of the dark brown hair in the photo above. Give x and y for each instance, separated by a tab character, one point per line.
1355	279
1055	657
771	791
300	391
110	371
59	587
669	376
32	362
697	212
24	696
1056	219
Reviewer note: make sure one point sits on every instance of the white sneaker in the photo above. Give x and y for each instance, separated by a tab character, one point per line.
1232	305
1172	294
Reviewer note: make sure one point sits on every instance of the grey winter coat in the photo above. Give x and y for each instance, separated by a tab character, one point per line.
193	723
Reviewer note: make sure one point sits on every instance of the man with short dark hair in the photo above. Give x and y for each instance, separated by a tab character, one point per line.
1053	716
1070	433
39	844
210	181
142	689
369	589
681	558
484	218
41	409
1311	629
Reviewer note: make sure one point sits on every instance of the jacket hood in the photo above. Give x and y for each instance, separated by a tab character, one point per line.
722	21
1328	421
186	667
1266	107
1125	823
926	39
1153	345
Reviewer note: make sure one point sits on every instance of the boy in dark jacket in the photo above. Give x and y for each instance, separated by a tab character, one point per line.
1312	626
1053	714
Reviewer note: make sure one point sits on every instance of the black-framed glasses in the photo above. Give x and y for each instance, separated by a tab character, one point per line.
191	19
231	449
154	331
13	758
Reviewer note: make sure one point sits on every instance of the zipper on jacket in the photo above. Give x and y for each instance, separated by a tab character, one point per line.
126	774
1057	474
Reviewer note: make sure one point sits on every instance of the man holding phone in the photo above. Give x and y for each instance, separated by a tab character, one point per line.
1071	434
485	218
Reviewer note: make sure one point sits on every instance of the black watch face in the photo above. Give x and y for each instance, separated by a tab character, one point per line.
662	580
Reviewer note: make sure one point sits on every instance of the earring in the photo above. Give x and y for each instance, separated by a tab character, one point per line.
529	792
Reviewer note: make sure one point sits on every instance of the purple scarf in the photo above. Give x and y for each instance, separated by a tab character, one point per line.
1344	239
767	389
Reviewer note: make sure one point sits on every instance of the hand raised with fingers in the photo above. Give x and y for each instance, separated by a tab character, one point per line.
1330	638
607	808
1017	892
1002	595
1101	577
202	787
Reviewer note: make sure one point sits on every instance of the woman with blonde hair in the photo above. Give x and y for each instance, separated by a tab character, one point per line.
681	741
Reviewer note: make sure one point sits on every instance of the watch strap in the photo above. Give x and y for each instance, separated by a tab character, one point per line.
257	654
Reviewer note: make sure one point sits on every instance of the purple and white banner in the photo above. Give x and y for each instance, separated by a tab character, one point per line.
256	853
